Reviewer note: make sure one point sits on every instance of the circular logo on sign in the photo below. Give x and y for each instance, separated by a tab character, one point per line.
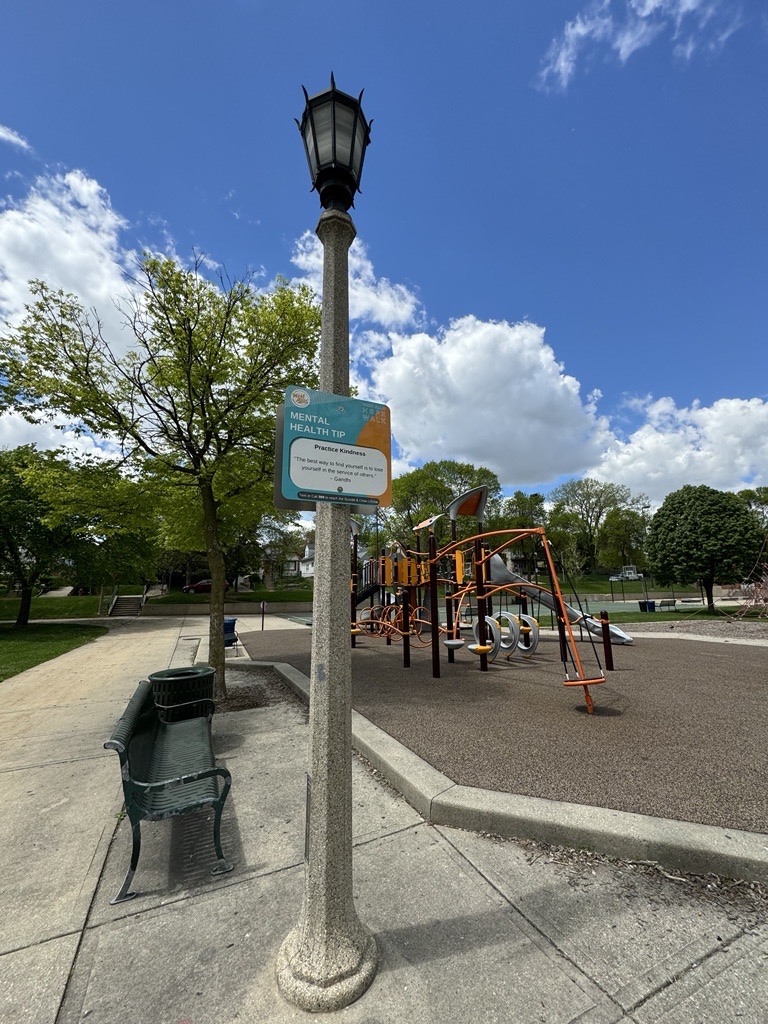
300	398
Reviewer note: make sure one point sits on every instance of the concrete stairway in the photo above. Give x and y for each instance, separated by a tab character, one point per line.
128	605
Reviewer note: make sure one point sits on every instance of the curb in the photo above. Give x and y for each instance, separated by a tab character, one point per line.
681	845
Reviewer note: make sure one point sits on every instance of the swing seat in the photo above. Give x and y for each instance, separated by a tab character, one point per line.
480	648
453	645
583	682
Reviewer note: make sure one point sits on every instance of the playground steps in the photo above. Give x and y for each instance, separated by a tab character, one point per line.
367	592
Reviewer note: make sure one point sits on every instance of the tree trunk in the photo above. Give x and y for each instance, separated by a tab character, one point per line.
22	619
217	569
708	585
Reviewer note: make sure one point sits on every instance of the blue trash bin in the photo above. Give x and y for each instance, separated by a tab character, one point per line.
651	606
230	634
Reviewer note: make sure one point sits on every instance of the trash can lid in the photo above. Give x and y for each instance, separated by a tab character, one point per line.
184	672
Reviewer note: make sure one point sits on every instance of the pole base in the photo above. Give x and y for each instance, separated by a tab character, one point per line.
325	987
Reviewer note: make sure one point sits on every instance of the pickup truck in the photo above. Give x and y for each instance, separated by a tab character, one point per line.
628	572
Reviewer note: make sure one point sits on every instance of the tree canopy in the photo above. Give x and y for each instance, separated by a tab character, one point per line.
426	491
701	534
587	502
192	400
31	547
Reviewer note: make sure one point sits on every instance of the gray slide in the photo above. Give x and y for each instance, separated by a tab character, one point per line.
501	574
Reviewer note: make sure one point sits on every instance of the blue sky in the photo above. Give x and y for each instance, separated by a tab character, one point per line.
562	256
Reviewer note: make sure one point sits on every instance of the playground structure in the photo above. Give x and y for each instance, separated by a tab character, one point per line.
755	593
473	576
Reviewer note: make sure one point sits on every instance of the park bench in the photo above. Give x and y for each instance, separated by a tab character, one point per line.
168	768
667	604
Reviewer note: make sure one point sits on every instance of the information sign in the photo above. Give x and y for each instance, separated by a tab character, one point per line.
334	448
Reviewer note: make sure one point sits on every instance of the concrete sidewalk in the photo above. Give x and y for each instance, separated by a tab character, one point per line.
470	928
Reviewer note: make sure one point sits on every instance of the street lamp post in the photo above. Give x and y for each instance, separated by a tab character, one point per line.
330	958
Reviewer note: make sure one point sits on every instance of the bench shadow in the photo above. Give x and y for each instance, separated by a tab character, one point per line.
192	856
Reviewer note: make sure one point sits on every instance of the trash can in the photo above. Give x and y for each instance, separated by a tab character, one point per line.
651	606
643	606
172	686
230	634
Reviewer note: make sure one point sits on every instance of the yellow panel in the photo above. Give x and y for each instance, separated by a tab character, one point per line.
459	566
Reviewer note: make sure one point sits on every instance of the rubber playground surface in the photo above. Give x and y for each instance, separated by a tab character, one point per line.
678	729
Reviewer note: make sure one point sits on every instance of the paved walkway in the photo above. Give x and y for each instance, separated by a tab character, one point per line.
469	928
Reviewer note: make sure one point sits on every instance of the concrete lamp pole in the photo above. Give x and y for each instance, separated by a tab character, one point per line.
330	959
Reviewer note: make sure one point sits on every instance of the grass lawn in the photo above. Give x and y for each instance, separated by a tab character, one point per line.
21	649
53	607
250	597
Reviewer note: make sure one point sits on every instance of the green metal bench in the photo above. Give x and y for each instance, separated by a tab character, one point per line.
168	768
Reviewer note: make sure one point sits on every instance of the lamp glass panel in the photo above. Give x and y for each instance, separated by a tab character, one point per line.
309	144
345	120
359	144
324	130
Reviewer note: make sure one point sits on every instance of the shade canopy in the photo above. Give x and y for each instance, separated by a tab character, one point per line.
335	135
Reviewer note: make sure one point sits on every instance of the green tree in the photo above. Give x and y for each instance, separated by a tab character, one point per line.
756	499
589	501
622	537
522	511
112	516
429	490
700	534
30	548
193	398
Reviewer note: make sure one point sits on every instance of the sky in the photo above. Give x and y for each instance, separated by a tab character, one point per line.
561	266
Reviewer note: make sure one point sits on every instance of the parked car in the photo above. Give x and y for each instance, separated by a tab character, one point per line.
201	587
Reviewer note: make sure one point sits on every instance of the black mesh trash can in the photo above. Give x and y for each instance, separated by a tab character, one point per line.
173	686
643	606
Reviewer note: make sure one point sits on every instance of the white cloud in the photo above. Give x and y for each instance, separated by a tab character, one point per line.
625	26
724	445
370	298
591	26
65	232
492	394
14	139
16	431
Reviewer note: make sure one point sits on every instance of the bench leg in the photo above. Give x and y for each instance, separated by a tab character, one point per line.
124	894
224	866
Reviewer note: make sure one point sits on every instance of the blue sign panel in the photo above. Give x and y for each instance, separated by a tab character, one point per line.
335	448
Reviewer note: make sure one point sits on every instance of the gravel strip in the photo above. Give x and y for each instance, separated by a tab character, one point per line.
721	628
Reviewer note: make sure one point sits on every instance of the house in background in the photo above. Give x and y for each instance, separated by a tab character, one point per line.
292	564
307	563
